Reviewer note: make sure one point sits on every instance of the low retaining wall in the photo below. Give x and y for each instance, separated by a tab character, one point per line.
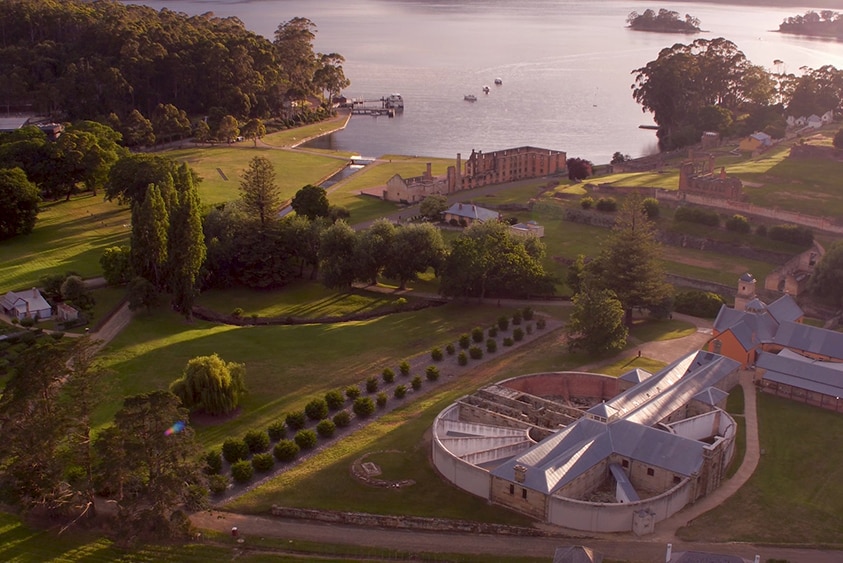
402	522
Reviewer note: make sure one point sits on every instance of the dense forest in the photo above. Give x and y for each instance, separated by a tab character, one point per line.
826	23
74	59
666	21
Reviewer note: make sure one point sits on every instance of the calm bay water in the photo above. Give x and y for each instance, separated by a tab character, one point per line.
565	66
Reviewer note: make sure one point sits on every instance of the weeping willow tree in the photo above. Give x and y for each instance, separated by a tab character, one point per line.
210	385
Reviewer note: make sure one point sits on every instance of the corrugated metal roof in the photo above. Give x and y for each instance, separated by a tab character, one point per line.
473	212
726	317
785	353
576	554
785	309
622	479
711	396
811	339
657	447
802	374
636	375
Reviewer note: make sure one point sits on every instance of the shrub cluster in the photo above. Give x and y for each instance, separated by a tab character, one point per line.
335	400
257	440
234	450
342	419
286	450
462	359
218	483
363	406
475	352
242	471
388	375
465	341
541	323
450	349
503	323
491	345
317	409
381	399
738	224
326	428
607	204
352	392
587	202
518	334
528	313
296	420
276	430
477	334
508	341
689	214
432	373
400	392
792	234
305	439
697	303
416	383
372	384
263	462
213	462
436	355
404	368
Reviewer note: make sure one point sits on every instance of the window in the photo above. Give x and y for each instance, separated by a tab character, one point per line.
676	479
523	493
625	463
511	489
650	471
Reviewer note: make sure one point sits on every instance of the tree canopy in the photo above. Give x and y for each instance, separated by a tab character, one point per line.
311	202
210	385
827	280
260	194
19	201
596	324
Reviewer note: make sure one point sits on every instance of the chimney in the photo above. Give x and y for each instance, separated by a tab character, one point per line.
34	292
520	473
669	553
723	173
757	559
460	207
428	173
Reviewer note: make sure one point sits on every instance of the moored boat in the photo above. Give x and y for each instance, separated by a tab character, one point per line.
470	98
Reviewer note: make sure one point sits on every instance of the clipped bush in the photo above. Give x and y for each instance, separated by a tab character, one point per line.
462	359
363	406
242	471
518	334
503	323
464	341
234	449
326	428
477	334
541	323
352	392
404	368
342	419
263	462
317	409
698	303
493	331
277	430
491	345
218	484
27	322
436	355
508	341
296	420
388	375
651	208
305	439
607	204
587	202
431	373
416	383
400	392
381	399
475	352
372	384
738	224
528	313
517	317
698	215
213	462
450	349
286	450
792	234
237	312
257	440
335	400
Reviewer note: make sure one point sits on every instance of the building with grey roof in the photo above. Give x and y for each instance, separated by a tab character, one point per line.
468	213
589	452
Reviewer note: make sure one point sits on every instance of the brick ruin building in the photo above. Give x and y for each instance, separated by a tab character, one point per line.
698	177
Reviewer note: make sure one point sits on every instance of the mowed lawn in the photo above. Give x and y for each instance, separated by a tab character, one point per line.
68	236
286	366
794	496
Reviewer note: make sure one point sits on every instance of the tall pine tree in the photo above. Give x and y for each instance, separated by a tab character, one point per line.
150	220
186	243
260	193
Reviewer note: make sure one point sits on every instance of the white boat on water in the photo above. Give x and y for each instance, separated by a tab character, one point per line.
394	101
498	81
470	98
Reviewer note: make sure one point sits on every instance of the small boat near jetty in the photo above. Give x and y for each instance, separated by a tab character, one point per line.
393	101
470	98
486	89
498	81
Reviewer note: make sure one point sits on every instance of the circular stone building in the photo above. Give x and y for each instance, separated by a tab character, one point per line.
592	452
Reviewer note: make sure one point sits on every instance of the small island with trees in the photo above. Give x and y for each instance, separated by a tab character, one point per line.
665	21
826	23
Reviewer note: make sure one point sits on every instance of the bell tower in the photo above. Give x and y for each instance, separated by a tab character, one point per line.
746	291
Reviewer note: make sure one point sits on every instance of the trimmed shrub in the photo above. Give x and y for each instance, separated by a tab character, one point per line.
518	334
257	440
317	409
416	383
335	400
388	375
477	334
381	399
276	430
462	359
342	419
508	341
237	312
27	322
363	406
607	204
475	352
651	208
541	323
793	234
296	420
436	355
528	313
242	471
492	332
234	449
326	428
404	368
263	462
697	303
218	484
352	392
465	341
528	329
587	202
213	462
431	373
305	439
491	345
450	349
372	384
503	323
400	392
286	450
516	317
699	215
738	224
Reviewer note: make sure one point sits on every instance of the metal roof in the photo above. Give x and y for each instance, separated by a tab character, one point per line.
785	309
622	479
811	339
802	374
472	212
711	396
576	554
636	375
749	328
